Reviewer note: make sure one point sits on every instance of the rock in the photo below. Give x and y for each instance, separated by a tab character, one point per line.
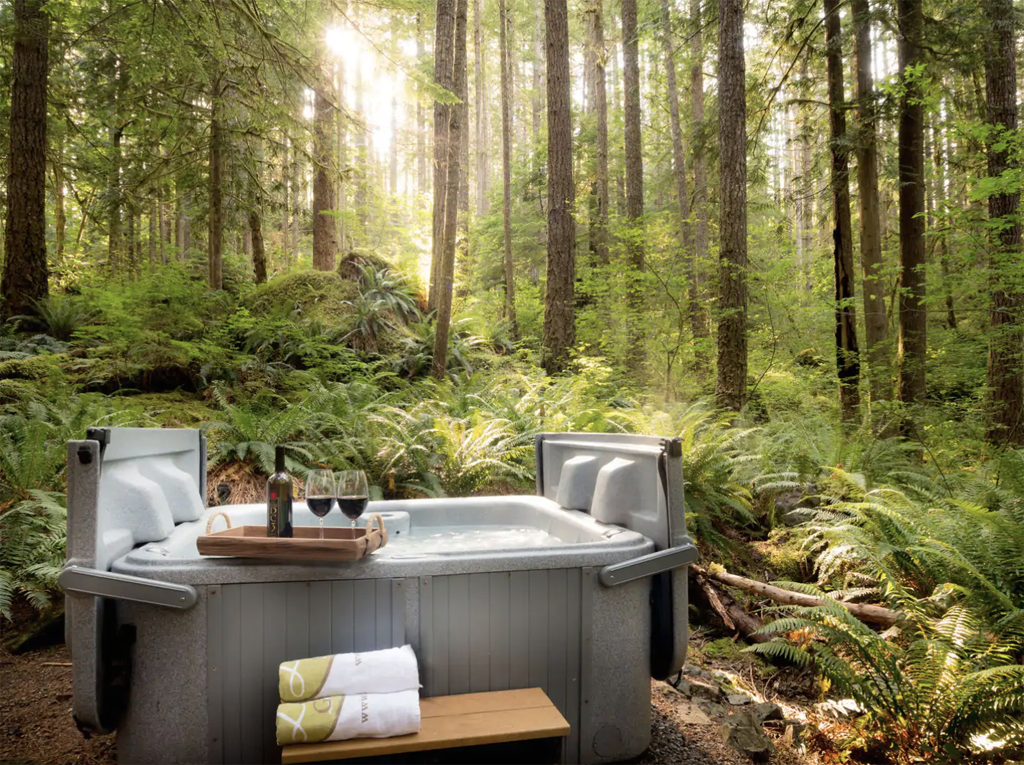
798	516
693	670
738	700
683	686
691	714
766	711
794	730
704	690
744	734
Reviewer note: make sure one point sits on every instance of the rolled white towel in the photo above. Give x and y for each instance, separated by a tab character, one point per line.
337	718
387	671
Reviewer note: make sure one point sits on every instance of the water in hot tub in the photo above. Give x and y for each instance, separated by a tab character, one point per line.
449	539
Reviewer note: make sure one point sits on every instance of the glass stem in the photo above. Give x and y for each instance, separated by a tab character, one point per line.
321	528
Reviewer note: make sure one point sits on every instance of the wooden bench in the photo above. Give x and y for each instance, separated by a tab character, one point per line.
469	719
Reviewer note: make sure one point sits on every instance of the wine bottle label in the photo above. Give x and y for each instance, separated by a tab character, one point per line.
273	516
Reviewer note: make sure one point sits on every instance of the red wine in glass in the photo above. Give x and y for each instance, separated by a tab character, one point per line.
353	495
320	493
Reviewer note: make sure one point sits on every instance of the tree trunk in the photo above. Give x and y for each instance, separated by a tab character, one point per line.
482	163
59	213
25	278
421	122
942	242
506	171
847	359
153	233
875	320
537	96
115	246
259	253
341	139
324	244
678	156
698	316
559	316
913	343
634	181
597	106
1005	382
452	192
216	239
731	386
289	186
444	57
297	204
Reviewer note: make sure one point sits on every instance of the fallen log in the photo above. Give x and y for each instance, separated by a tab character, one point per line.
866	612
731	614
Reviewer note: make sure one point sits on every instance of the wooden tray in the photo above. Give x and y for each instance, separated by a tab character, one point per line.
338	544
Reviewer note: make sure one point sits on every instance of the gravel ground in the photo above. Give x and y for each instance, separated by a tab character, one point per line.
677	742
36	726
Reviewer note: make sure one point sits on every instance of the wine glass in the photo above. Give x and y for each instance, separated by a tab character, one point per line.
320	494
352	494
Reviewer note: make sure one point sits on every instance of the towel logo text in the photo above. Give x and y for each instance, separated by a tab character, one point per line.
364	704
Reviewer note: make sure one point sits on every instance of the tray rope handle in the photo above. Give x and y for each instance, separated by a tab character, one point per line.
215	516
376	518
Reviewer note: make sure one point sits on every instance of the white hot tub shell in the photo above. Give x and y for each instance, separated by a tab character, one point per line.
580	590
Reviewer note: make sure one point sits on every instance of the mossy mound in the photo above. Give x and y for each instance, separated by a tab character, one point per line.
349	265
318	295
45	368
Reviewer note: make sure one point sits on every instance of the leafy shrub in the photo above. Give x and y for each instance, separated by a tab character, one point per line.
305	294
32	554
928	690
63	315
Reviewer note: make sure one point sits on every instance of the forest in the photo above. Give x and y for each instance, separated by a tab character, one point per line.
407	236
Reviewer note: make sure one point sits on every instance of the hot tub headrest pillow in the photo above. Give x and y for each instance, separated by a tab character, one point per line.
343	674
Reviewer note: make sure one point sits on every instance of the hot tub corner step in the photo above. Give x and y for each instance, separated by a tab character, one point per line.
468	719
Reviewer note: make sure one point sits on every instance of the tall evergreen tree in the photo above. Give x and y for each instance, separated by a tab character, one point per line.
872	283
26	277
1005	381
634	177
559	316
731	386
506	171
913	340
847	359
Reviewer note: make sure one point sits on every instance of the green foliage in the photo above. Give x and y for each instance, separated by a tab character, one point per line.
929	689
63	315
307	294
32	553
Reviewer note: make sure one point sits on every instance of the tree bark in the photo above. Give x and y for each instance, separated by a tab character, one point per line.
506	171
847	356
26	278
153	233
731	385
59	212
537	95
597	106
634	180
216	238
259	253
451	203
421	122
115	246
341	139
728	610
913	343
875	319
289	187
1005	382
324	244
698	316
444	72
482	159
678	158
942	242
559	315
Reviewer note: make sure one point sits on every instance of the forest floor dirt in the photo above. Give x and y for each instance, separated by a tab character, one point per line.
36	727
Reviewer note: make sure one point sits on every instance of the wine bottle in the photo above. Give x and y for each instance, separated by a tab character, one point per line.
279	499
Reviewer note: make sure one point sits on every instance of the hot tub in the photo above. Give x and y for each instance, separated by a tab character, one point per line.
579	590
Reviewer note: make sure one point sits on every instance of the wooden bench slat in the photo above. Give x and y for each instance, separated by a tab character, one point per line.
452	721
492	701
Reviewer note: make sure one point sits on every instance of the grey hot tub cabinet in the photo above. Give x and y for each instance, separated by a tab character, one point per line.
179	653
